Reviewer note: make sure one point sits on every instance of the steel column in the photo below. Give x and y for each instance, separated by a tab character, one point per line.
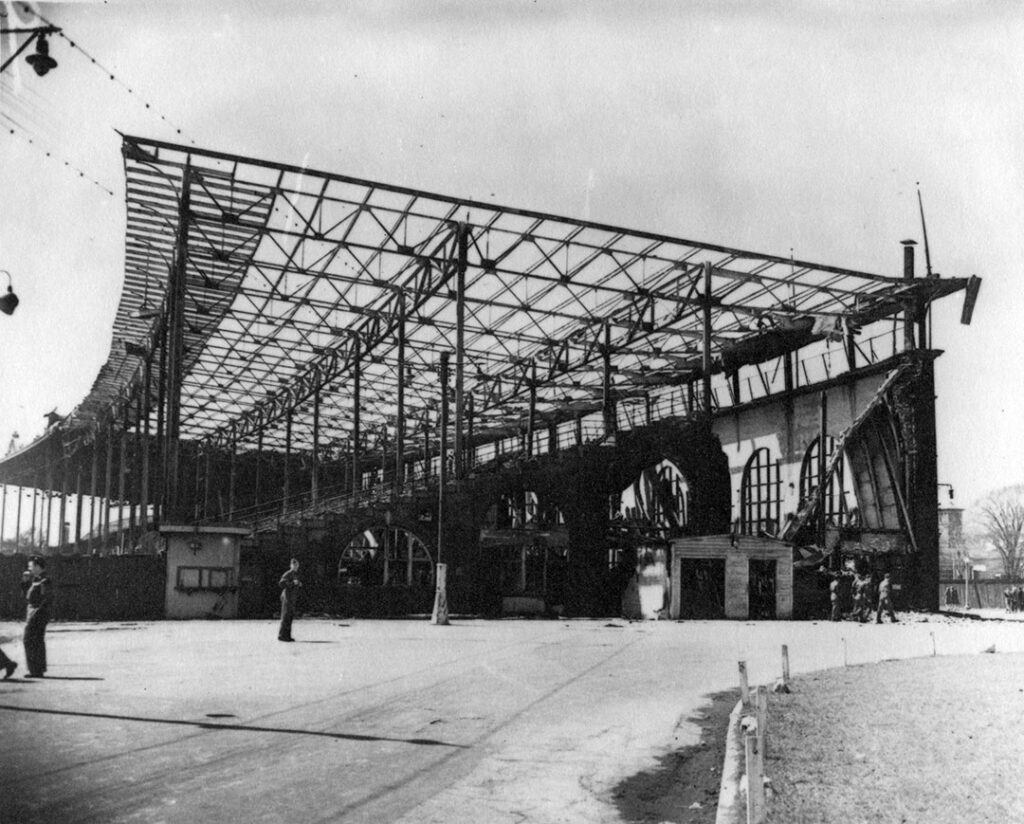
822	455
460	343
17	520
78	510
532	408
909	313
357	381
314	470
608	403
442	474
706	338
175	366
108	482
400	416
286	485
259	456
231	476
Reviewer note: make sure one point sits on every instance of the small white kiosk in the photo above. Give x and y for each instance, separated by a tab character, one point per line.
202	570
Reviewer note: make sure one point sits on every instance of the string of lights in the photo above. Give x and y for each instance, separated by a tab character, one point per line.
12	127
113	77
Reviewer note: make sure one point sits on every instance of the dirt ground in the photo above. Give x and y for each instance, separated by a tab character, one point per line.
683	788
933	739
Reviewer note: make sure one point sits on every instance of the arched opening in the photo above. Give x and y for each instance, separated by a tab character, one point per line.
386	555
644	518
524	537
760	495
837	494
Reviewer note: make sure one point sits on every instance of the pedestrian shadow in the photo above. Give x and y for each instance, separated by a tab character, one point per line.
206	725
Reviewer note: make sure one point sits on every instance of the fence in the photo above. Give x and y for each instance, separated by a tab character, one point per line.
108	588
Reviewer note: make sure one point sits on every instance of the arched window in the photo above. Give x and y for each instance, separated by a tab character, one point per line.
835	497
760	494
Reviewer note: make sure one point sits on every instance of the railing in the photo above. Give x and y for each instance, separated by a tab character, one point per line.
819	362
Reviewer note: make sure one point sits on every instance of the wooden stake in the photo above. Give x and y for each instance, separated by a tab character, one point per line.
744	687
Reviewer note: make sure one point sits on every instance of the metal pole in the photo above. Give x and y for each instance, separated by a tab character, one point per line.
608	407
400	417
17	520
909	309
532	408
32	528
706	353
231	475
3	514
822	455
259	455
93	490
144	449
121	477
460	343
442	475
78	510
107	484
175	366
314	472
287	461
62	536
47	508
357	381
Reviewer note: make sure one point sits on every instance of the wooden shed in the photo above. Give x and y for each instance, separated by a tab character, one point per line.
726	576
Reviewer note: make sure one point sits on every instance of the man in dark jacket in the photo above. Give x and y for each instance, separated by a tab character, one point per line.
289	584
39	597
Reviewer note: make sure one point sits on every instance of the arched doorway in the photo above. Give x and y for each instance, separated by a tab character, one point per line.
644	517
386	555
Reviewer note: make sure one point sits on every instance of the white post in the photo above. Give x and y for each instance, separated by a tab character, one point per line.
744	688
762	721
755	781
440	616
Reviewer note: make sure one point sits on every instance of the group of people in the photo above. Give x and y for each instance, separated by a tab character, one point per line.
860	590
38	597
1014	599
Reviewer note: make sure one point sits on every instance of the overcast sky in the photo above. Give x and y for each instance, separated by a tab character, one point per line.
762	126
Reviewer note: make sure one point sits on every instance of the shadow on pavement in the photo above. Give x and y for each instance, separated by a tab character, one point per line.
205	725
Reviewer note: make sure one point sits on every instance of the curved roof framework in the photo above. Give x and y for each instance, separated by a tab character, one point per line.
292	279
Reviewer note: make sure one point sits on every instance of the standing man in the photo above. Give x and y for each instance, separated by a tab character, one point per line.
885	600
833	594
38	596
289	584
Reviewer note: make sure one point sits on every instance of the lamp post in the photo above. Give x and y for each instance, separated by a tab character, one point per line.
40	61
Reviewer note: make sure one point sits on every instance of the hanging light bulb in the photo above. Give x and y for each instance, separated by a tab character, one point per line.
9	302
41	61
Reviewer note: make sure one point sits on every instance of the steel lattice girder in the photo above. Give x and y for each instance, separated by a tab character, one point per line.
289	271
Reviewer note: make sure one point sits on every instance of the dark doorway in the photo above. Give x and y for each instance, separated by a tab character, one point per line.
762	590
702	588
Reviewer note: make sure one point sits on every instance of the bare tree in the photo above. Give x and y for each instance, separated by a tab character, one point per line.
1001	521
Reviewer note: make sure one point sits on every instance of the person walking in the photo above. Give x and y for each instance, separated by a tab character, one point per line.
7	665
289	584
38	596
885	600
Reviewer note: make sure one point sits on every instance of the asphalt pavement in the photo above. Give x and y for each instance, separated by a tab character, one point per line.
391	721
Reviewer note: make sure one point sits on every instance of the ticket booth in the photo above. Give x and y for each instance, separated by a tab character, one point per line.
202	570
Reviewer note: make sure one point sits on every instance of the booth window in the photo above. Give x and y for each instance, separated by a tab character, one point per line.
195	579
760	494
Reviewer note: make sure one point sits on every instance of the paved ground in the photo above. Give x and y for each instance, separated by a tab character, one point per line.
389	721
